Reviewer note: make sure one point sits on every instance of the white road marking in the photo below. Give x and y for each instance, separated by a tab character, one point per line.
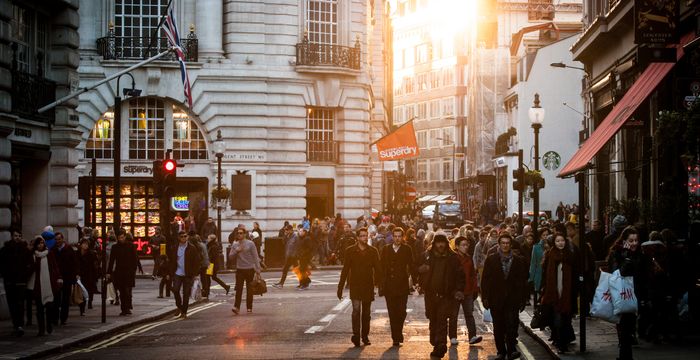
341	306
385	311
328	318
314	329
419	338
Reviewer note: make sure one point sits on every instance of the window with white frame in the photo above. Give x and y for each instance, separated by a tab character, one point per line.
448	136
399	114
422	82
446	169
100	143
322	21
434	79
188	140
448	76
320	134
408	84
421	110
434	169
422	168
146	128
434	109
422	138
448	106
135	20
433	138
410	112
29	33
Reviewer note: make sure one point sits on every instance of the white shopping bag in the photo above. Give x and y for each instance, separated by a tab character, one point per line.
196	293
84	291
487	315
622	292
602	306
111	292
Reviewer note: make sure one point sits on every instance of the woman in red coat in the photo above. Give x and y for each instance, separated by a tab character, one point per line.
471	290
558	290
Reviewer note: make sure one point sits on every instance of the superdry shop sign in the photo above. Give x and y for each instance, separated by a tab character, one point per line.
656	21
400	144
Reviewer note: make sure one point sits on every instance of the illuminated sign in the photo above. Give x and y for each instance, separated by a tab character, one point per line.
180	203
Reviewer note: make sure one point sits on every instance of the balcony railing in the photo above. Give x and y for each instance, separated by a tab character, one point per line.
313	54
30	92
322	151
113	47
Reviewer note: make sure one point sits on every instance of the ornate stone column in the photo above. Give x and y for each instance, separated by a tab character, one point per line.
209	28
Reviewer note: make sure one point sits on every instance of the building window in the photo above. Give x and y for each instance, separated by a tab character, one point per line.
434	79
320	135
434	169
136	20
410	112
433	138
146	129
99	144
422	170
188	140
421	111
447	169
448	106
448	136
422	82
448	77
30	40
422	138
322	21
435	109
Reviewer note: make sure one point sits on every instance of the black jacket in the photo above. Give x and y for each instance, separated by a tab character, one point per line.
88	270
396	268
67	259
362	270
193	260
16	262
123	262
504	293
454	279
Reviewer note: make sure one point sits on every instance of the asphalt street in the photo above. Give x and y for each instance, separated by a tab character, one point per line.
286	324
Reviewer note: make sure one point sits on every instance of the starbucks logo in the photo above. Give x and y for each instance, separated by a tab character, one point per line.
551	160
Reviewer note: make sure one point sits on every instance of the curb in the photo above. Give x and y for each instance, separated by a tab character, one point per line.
540	340
101	334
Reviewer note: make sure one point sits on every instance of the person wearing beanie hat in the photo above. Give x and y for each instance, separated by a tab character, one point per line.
618	224
49	238
443	281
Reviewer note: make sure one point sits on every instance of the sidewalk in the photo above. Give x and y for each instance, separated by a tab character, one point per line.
601	342
79	329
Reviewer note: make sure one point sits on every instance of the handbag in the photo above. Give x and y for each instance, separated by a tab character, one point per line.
541	318
76	295
258	286
210	269
602	306
111	292
487	315
196	292
622	291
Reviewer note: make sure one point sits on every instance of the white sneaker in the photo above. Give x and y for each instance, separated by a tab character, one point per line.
454	341
475	340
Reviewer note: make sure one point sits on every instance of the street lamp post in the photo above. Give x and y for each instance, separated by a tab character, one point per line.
536	115
219	149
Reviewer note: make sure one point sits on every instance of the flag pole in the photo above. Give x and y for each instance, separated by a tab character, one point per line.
110	78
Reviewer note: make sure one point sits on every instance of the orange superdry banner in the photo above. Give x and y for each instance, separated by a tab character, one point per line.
400	144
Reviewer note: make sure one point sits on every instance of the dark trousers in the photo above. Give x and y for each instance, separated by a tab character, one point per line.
467	305
15	302
164	283
505	329
304	263
438	310
562	330
61	304
28	301
396	306
206	282
289	262
361	315
43	320
625	334
241	276
215	277
125	297
182	301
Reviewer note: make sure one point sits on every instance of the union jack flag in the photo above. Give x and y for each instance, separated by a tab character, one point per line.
171	32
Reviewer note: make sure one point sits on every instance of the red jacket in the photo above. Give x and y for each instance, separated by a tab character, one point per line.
471	287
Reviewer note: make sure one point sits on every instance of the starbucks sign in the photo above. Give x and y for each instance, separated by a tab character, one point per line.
551	160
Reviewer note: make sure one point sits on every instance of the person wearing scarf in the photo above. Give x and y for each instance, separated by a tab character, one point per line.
44	282
558	291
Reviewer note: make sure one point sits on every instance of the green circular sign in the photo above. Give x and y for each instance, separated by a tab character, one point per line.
551	160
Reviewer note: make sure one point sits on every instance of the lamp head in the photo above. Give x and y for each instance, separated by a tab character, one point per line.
133	92
219	145
536	113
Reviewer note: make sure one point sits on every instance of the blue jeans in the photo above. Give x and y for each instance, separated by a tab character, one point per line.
361	315
184	282
467	306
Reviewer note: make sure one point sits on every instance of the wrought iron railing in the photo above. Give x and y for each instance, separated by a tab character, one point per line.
29	93
322	151
113	47
313	54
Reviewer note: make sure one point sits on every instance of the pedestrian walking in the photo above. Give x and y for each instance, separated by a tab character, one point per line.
305	252
88	271
626	255
16	265
164	274
204	263
442	280
214	251
290	254
397	265
361	270
470	292
121	270
504	292
247	266
559	291
155	242
67	260
44	282
185	265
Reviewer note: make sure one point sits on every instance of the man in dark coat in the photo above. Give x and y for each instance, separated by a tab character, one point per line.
397	264
67	259
362	270
185	264
504	292
442	280
596	238
121	269
16	265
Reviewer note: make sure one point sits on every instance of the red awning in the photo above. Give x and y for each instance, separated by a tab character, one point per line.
640	90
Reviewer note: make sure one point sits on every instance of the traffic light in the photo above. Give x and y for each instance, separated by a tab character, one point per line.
519	179
157	178
169	173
